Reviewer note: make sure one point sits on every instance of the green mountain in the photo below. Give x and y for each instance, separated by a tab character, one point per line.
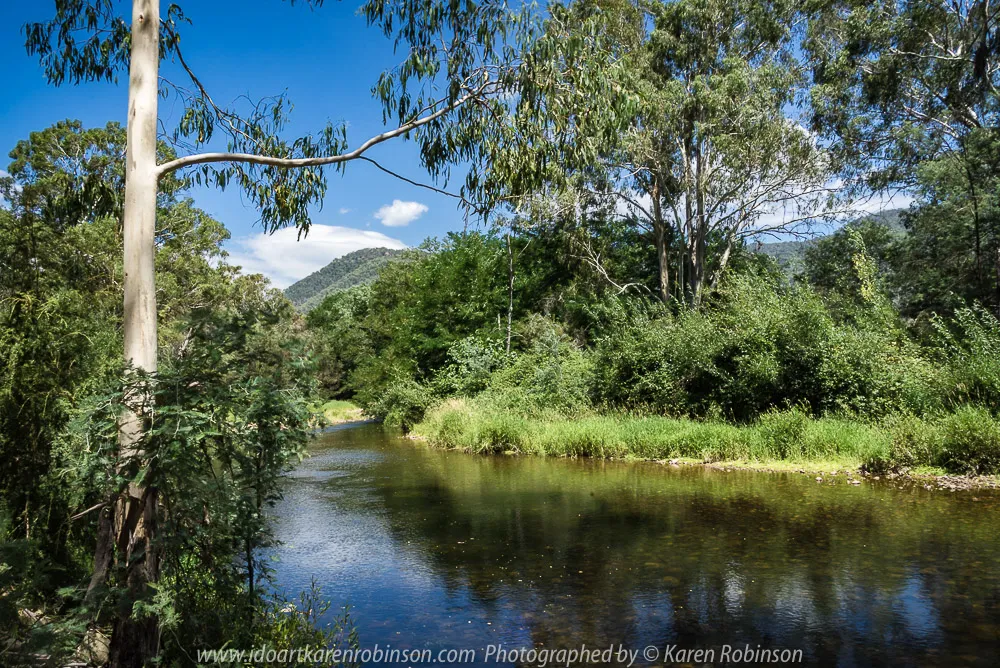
791	254
357	268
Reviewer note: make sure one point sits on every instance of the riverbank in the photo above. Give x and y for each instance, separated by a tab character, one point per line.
337	411
960	450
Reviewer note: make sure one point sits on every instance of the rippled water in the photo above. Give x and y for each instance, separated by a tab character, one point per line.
446	550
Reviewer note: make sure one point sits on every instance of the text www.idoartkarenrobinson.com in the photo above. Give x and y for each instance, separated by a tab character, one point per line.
540	658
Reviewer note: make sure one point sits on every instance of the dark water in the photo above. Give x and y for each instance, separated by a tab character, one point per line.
445	550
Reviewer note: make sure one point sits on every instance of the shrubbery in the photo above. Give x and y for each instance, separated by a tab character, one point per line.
969	348
758	347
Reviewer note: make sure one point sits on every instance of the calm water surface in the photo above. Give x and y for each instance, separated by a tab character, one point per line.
446	550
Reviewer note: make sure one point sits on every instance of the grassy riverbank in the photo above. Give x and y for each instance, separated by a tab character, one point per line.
337	411
966	442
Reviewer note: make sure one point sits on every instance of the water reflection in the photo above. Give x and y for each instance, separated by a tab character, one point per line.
438	549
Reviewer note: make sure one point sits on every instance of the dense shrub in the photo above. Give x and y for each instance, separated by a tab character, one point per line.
471	363
758	347
402	403
551	373
913	442
872	372
969	346
971	442
663	365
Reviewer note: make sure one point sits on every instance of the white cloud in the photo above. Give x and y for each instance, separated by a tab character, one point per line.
400	213
284	258
344	210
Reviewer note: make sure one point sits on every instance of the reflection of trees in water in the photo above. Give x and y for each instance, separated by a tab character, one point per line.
601	553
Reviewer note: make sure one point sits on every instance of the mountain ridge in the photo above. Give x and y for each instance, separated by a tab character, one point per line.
359	267
790	255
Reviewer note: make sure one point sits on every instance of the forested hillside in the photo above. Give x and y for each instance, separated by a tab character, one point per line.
357	268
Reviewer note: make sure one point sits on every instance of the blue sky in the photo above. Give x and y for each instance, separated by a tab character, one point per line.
326	59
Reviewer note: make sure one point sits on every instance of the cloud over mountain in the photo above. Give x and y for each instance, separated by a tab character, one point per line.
284	258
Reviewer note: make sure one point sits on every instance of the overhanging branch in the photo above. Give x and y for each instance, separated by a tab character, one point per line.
294	163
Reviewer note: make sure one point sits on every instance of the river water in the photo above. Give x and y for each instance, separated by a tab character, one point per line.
444	550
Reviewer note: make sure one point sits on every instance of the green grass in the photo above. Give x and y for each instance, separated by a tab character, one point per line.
337	411
783	440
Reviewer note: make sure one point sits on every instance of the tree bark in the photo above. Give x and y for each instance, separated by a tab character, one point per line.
510	291
134	641
663	243
699	236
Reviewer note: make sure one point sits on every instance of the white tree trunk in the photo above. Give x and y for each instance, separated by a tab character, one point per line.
140	187
134	642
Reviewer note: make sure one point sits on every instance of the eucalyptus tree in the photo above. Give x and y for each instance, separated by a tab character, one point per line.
452	74
898	83
681	116
907	93
721	142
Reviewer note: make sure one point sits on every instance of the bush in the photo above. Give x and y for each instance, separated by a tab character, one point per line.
965	442
761	347
914	442
664	365
970	348
551	374
471	363
870	372
971	442
402	403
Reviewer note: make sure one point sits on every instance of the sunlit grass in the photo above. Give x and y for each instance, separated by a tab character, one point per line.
788	437
336	411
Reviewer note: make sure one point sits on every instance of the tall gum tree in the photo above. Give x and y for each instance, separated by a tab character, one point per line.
907	96
453	78
697	140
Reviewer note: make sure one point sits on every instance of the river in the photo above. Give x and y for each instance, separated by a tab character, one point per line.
444	550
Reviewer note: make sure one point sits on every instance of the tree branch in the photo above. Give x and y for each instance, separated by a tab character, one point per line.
411	181
292	163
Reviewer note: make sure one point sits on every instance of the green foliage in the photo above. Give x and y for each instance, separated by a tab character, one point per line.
915	442
966	442
338	341
971	442
229	411
550	373
759	346
970	347
444	292
402	403
471	363
288	624
829	261
697	106
783	432
879	70
224	420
